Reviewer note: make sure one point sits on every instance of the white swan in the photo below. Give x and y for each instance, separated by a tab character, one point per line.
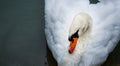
97	30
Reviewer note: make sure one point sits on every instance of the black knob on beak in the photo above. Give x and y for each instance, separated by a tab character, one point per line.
70	39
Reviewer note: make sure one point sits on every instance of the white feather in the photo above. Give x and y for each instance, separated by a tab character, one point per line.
105	32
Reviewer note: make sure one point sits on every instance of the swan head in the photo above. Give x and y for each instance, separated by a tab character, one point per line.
79	28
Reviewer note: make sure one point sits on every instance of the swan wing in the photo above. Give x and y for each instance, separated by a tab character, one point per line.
105	28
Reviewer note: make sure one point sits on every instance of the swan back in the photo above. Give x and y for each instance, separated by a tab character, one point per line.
105	30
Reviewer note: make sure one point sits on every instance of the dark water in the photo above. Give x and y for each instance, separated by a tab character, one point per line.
22	38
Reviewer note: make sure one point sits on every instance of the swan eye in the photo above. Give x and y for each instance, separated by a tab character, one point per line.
74	36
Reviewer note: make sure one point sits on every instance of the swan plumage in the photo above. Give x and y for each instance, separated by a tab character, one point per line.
105	32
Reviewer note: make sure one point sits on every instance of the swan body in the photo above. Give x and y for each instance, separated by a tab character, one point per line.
98	25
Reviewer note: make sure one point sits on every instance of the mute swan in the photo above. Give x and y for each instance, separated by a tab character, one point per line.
93	29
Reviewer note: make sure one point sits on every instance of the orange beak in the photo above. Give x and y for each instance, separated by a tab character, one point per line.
73	45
